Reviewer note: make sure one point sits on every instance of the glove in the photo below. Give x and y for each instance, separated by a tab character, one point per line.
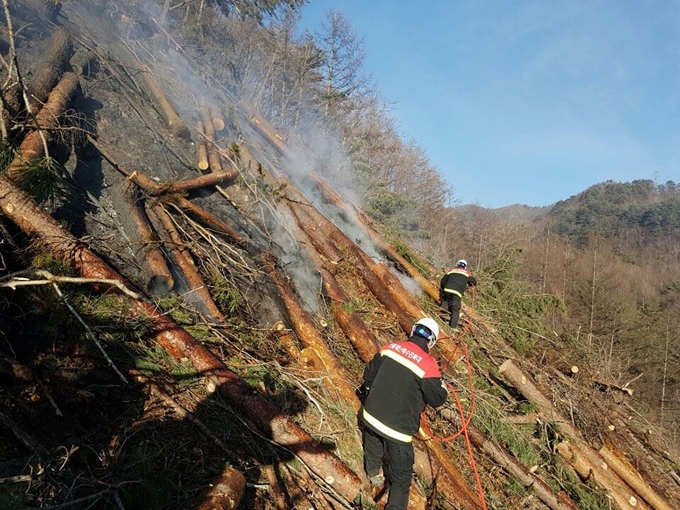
362	392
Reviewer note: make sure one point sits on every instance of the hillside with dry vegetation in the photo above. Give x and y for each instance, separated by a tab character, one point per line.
196	262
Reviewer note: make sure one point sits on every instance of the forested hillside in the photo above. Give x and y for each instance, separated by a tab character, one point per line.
209	223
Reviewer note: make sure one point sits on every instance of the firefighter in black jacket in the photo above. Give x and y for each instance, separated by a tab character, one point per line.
452	287
398	382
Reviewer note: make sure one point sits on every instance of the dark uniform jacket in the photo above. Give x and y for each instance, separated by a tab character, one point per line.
403	378
455	281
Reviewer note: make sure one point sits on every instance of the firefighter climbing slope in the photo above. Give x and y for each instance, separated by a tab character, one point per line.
399	382
452	287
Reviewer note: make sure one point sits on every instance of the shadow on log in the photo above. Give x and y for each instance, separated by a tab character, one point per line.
23	211
59	52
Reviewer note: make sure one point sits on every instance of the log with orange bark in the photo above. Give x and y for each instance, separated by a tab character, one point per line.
174	122
202	181
502	458
208	220
198	292
583	458
223	492
47	119
361	338
324	233
50	70
161	280
309	336
589	466
27	216
633	478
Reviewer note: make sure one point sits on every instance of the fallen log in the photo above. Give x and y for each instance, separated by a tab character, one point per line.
287	340
183	186
321	242
528	389
169	113
432	464
161	281
27	216
84	63
277	494
47	119
583	458
512	466
325	228
361	338
53	65
634	479
198	292
202	162
388	251
214	160
587	466
208	220
264	128
309	336
394	286
224	492
216	117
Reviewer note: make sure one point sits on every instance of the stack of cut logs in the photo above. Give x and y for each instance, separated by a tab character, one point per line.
326	244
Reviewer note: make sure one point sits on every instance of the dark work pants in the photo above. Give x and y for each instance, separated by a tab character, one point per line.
453	302
400	466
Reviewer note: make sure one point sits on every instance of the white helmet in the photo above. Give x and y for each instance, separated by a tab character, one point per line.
428	329
461	263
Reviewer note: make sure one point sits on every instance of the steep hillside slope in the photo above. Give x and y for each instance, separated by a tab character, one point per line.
185	317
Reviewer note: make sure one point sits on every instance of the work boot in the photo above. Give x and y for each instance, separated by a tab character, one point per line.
377	480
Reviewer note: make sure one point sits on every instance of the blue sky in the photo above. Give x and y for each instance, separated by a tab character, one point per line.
527	101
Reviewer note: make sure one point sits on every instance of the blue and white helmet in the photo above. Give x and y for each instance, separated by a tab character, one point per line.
428	329
461	263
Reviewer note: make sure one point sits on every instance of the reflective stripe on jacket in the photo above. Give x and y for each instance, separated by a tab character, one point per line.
456	281
403	378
